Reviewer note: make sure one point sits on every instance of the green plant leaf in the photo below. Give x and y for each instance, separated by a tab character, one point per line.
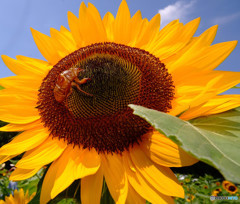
36	198
1	87
106	197
214	140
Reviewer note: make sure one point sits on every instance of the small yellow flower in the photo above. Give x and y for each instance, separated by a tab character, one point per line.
215	193
18	198
218	183
190	197
229	187
205	187
218	189
225	184
187	180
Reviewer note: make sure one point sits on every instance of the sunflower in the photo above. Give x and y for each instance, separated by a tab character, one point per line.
229	187
190	198
215	193
72	109
18	198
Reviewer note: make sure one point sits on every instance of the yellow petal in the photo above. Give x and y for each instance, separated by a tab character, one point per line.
108	22
73	23
95	24
9	200
63	43
17	128
115	177
20	117
92	185
46	47
23	109
167	183
215	105
164	151
4	158
206	37
149	33
21	68
43	154
19	100
20	82
177	38
160	44
39	66
201	57
134	197
73	164
197	90
22	174
25	141
18	195
135	26
89	28
141	185
87	163
122	24
64	31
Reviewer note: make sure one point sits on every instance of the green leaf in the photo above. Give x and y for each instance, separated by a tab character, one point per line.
214	140
31	183
106	196
36	198
1	87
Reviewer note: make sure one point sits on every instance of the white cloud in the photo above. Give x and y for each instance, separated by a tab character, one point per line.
225	19
179	10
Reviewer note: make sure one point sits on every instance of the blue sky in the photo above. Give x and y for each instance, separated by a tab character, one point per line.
18	16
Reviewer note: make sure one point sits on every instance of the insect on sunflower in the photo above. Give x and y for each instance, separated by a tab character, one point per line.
72	109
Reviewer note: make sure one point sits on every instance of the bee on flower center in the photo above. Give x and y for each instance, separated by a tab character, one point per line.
66	80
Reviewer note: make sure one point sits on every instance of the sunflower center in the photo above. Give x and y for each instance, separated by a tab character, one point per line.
114	84
84	98
232	188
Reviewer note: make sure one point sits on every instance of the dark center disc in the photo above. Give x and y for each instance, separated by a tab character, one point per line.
119	75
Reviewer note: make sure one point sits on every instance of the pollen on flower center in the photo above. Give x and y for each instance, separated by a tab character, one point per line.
119	75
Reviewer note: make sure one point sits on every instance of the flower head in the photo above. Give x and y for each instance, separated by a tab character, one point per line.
190	197
18	197
72	109
229	187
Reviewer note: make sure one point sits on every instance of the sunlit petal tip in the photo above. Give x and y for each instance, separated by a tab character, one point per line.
63	28
52	31
82	9
21	174
155	21
92	6
4	57
33	30
46	46
197	19
215	27
234	42
123	7
194	23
